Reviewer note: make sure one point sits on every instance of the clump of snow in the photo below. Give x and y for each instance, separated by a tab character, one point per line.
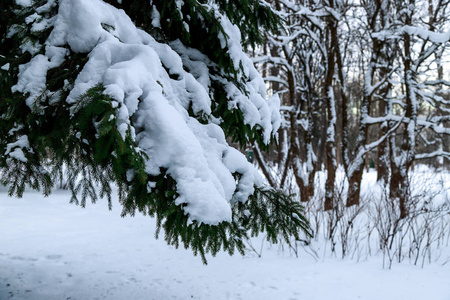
24	3
156	18
32	79
153	86
14	150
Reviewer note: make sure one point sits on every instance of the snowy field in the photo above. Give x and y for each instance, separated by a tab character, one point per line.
50	249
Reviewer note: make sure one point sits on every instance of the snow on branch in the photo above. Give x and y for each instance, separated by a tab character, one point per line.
438	128
279	61
369	147
161	92
435	37
437	82
434	154
276	79
379	120
371	89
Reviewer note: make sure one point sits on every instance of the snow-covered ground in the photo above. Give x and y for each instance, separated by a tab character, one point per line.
50	249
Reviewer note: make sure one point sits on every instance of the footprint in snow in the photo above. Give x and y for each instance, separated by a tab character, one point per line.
53	257
23	258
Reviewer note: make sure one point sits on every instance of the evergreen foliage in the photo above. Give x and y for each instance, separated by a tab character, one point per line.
251	16
52	138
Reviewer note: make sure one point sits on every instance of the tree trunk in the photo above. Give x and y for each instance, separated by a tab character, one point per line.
399	188
382	160
330	145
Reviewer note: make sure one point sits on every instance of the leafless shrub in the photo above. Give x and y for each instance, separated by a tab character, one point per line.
422	231
376	226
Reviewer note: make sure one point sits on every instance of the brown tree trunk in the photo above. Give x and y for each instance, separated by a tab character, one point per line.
399	189
382	160
330	146
354	188
398	182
